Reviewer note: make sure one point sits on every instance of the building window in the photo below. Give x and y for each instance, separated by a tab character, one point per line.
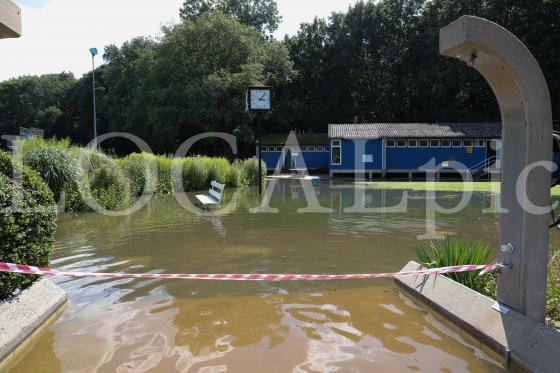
434	143
423	143
401	143
263	149
336	152
390	143
445	143
412	143
271	148
456	143
468	143
479	143
278	148
311	148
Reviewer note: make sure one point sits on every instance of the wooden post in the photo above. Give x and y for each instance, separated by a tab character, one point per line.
523	96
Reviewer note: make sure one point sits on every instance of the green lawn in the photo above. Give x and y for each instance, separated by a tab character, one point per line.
450	186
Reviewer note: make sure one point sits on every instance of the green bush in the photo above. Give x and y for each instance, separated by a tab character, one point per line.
218	169
454	252
71	169
195	174
553	290
110	188
234	176
141	170
108	185
164	184
27	232
250	172
53	161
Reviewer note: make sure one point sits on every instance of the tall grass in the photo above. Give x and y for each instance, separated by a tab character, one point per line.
112	182
52	160
142	171
194	174
250	172
455	252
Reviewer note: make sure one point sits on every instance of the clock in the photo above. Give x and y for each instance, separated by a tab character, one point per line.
259	99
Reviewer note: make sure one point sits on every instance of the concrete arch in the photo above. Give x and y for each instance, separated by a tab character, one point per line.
524	100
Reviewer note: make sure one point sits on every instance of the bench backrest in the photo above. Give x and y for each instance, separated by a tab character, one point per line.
216	190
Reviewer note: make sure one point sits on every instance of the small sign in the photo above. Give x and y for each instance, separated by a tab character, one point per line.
367	158
469	149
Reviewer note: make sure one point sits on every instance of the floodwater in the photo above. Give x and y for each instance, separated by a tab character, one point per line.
170	325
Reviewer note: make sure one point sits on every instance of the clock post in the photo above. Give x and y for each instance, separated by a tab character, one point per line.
259	101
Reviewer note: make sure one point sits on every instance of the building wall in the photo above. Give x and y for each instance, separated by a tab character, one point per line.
10	20
313	160
357	148
414	158
401	158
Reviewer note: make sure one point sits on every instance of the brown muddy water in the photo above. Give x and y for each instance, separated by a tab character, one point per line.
128	325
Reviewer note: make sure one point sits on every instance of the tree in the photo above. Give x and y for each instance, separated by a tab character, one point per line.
203	68
260	14
34	101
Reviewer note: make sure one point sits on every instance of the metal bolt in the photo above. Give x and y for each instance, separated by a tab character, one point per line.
506	264
507	248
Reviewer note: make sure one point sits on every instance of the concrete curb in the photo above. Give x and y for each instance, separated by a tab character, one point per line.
529	345
25	313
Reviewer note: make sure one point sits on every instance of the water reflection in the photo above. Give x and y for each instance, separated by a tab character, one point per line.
172	325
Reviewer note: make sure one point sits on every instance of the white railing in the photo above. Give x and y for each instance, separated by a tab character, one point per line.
482	165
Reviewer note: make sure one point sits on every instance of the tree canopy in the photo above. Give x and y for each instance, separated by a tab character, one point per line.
260	14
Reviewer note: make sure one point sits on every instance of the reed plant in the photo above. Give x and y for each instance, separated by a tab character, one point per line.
54	162
195	174
70	170
250	172
142	171
455	252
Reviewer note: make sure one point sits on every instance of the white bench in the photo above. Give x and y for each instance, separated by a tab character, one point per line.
215	197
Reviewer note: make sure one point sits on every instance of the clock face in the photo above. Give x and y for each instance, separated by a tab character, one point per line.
259	99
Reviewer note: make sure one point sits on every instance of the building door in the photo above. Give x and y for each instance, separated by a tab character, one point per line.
288	159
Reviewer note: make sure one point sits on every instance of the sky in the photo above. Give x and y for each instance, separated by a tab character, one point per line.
58	33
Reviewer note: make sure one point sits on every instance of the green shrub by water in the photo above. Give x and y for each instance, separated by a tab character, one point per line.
111	188
83	173
454	252
195	174
142	171
54	162
250	172
27	233
97	171
164	184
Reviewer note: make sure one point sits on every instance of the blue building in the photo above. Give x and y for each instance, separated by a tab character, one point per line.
381	149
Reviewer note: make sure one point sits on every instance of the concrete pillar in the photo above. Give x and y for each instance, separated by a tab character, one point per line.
10	20
524	100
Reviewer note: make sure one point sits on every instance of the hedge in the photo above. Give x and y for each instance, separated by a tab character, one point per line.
27	223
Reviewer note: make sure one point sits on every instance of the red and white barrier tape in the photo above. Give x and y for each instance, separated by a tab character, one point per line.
31	270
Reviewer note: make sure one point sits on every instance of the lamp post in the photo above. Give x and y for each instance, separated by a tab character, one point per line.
93	52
